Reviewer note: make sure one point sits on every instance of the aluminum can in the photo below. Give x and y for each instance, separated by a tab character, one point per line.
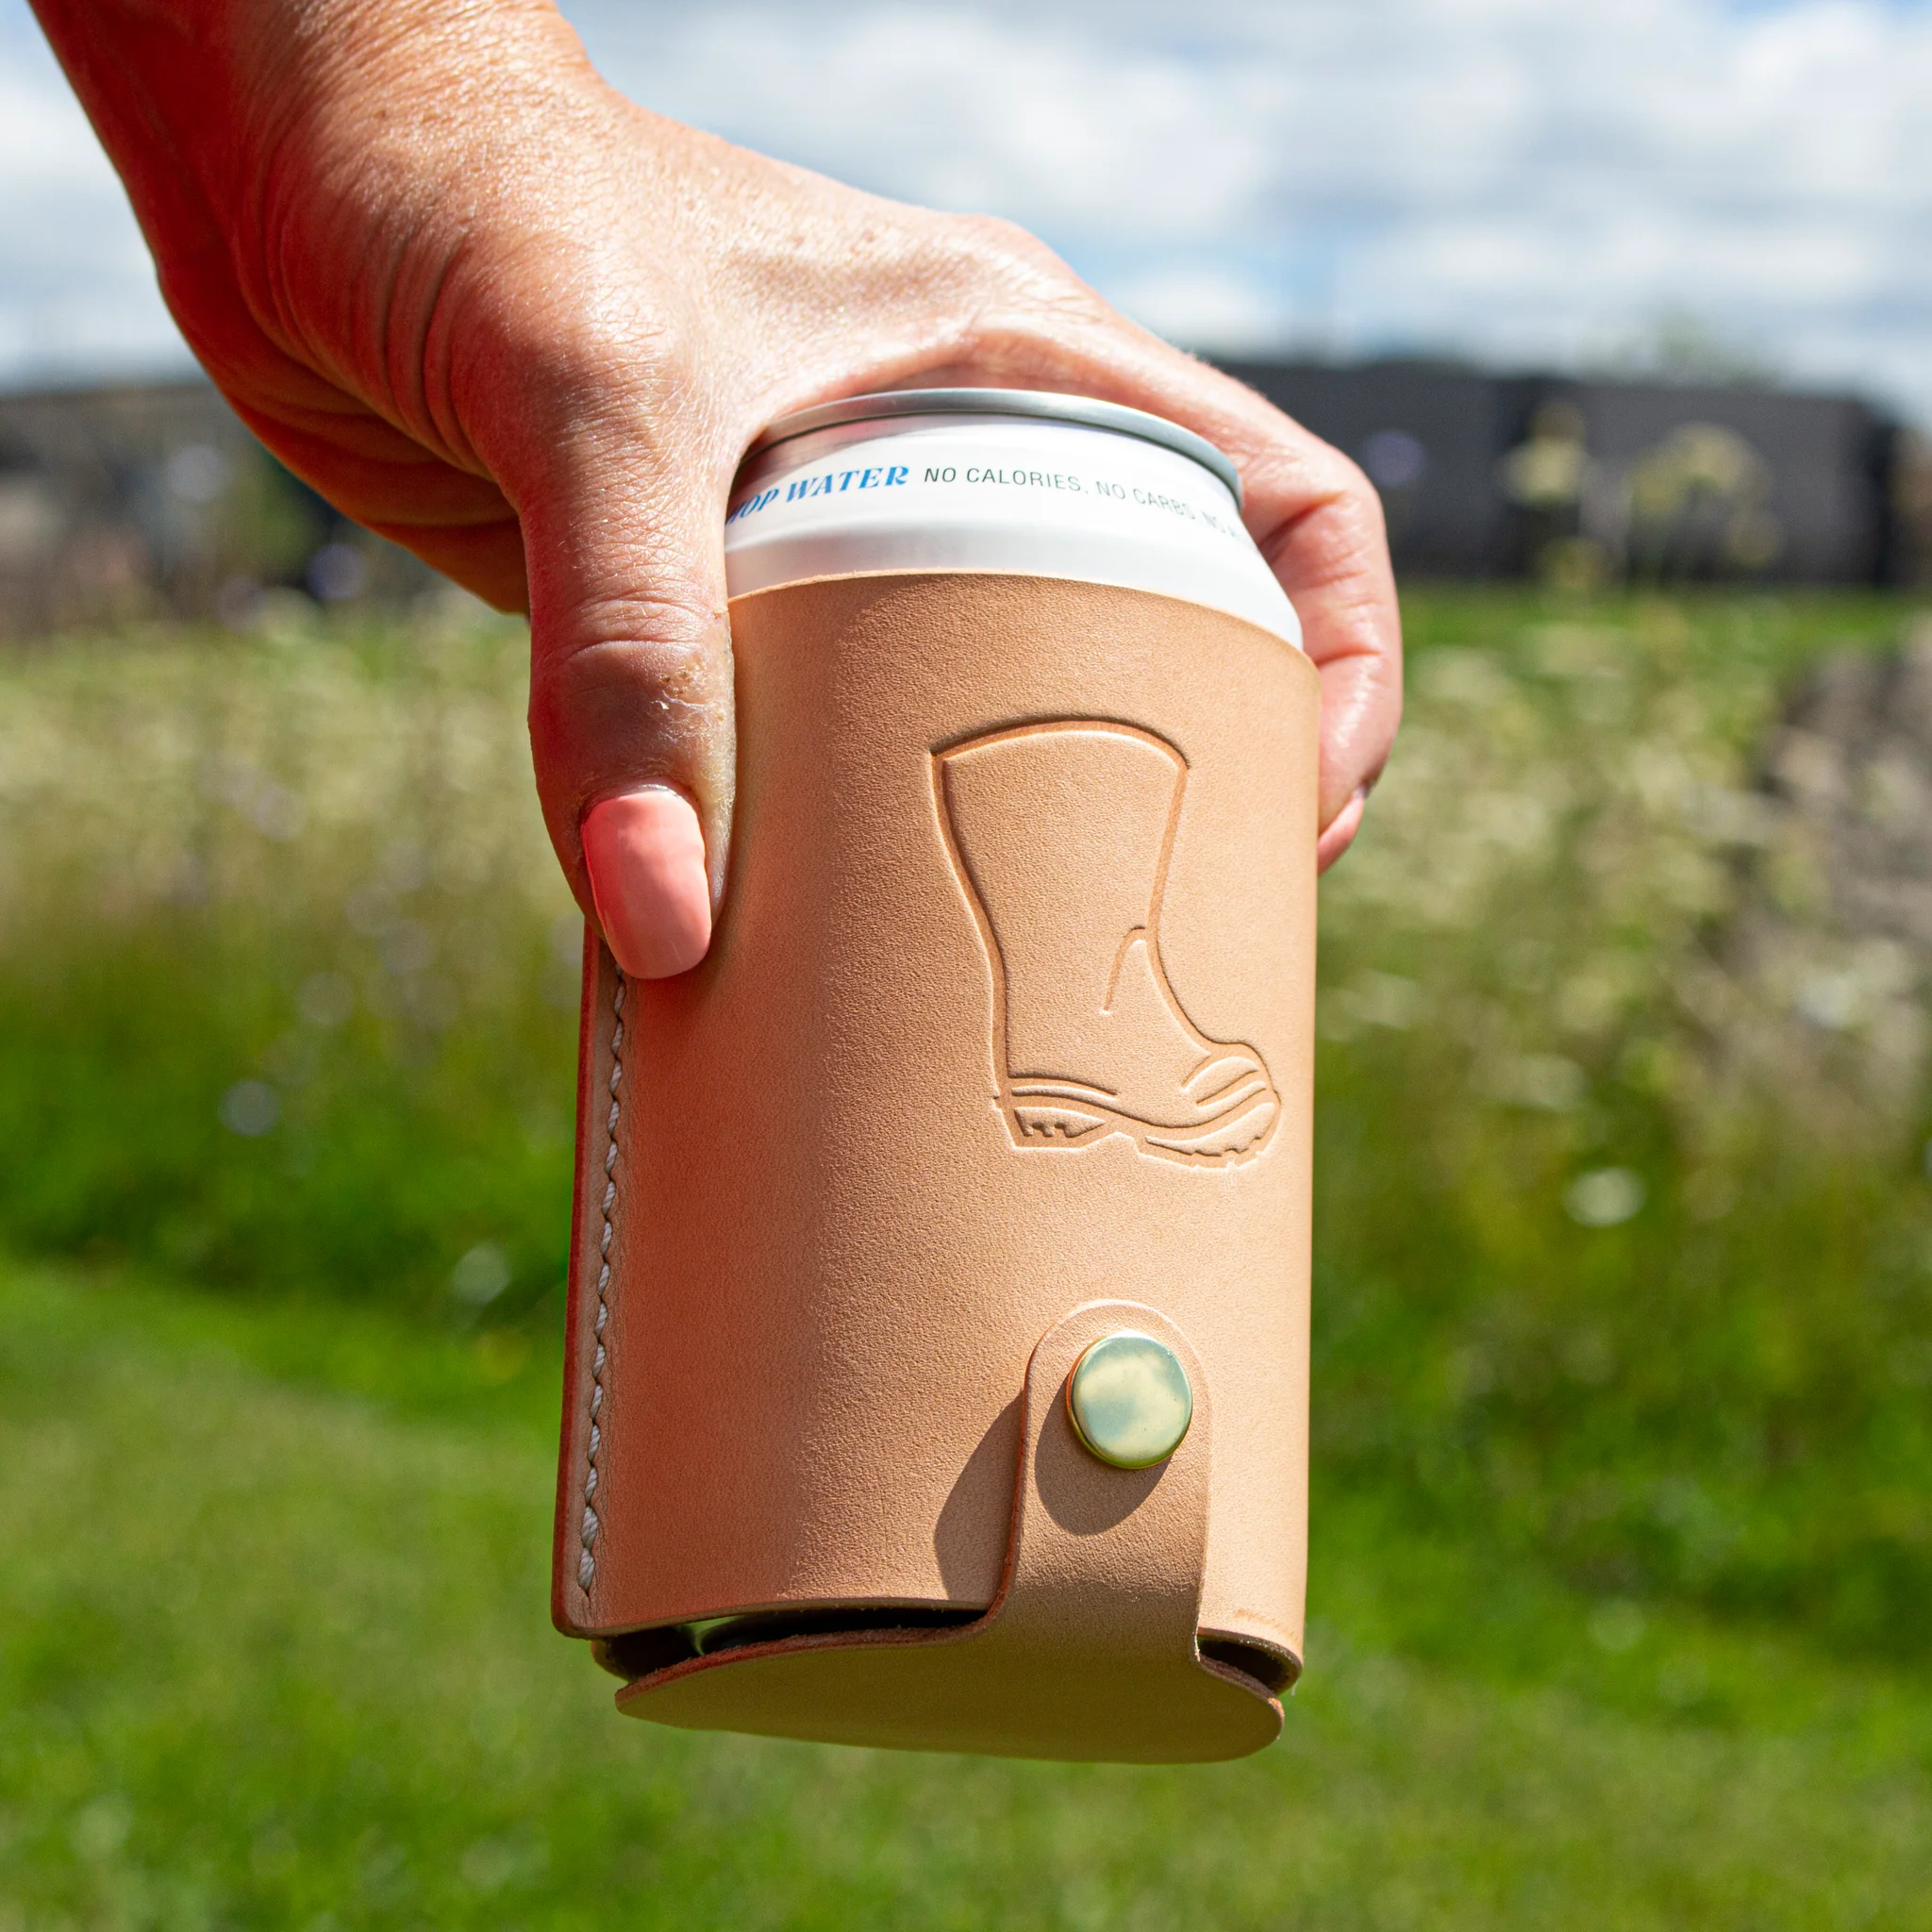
938	1356
1014	481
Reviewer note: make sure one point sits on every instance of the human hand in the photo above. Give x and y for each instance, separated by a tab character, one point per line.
508	319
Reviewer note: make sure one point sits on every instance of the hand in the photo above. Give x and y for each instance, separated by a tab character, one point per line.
503	317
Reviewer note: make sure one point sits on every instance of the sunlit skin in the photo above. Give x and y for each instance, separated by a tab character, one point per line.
498	313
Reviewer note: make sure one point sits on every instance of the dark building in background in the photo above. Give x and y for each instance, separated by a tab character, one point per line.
120	502
1482	475
1432	437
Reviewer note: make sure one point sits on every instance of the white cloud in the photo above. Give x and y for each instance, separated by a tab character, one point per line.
1516	180
1510	179
1042	120
77	295
1202	303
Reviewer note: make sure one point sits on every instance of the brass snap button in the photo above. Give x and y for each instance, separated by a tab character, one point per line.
1129	1400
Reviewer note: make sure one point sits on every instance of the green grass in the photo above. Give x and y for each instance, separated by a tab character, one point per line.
310	865
275	1653
1716	1393
1623	1534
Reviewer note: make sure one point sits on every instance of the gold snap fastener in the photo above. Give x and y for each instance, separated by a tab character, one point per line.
1129	1400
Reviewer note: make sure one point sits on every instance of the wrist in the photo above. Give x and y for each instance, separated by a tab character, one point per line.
199	101
345	108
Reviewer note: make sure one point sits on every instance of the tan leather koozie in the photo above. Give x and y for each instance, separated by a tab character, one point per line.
1007	1024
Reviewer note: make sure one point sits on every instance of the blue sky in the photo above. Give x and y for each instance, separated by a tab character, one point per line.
1519	181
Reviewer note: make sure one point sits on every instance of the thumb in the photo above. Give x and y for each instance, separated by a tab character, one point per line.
631	725
644	857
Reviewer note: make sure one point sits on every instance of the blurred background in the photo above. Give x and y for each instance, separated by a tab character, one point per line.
1623	1425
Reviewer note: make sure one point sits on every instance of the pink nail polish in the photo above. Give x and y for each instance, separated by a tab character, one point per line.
646	852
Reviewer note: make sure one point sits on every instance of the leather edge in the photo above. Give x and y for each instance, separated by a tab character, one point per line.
563	1583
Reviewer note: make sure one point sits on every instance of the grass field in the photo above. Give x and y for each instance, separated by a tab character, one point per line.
277	1654
1624	1369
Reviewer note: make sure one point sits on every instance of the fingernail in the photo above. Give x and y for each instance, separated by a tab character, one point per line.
1351	813
645	854
1336	839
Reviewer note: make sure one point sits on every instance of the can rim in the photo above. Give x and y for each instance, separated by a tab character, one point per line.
1042	405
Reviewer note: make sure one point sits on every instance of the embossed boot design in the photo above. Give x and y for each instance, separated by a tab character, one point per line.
1060	835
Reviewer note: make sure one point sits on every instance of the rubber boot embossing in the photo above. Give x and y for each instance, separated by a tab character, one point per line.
1060	835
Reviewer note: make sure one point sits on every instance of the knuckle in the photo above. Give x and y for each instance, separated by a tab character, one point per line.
635	701
584	342
1009	264
1000	240
639	634
1304	474
632	377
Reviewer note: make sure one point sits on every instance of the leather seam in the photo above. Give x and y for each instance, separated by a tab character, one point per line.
590	1523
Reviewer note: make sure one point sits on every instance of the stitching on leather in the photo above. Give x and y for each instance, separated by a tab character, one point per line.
588	1527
